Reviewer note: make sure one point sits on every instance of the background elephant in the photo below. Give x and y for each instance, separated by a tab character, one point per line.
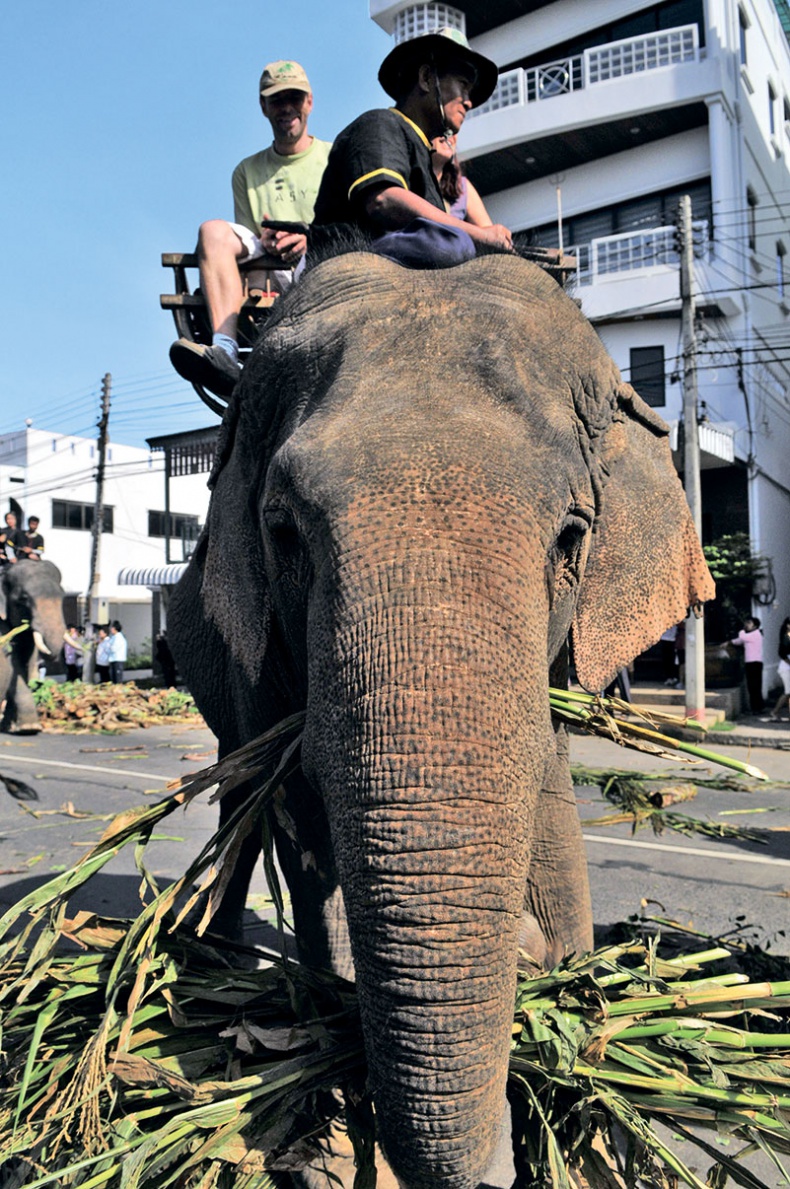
427	481
31	591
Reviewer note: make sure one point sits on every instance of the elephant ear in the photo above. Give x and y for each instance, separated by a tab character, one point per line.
234	589
645	568
220	610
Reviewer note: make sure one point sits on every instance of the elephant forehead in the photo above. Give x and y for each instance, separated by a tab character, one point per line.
500	307
434	450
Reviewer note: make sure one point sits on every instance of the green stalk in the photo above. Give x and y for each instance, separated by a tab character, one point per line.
683	1087
776	993
624	976
562	702
690	1029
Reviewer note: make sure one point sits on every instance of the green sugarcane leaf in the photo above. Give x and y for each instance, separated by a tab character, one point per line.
556	1163
759	1140
647	1137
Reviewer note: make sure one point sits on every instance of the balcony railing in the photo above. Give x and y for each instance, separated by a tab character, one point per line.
602	64
633	250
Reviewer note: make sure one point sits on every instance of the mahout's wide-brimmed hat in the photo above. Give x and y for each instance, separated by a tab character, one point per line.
443	45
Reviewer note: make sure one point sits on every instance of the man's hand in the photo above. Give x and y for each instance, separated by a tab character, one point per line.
290	246
496	235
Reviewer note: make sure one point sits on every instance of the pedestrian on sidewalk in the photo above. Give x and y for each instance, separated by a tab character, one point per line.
118	652
103	653
750	639
72	653
783	671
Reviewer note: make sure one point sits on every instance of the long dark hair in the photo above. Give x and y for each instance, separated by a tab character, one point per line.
450	185
784	639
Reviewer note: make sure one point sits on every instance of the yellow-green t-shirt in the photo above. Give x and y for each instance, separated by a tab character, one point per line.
269	183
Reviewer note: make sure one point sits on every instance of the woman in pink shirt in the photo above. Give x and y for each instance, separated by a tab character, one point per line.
750	638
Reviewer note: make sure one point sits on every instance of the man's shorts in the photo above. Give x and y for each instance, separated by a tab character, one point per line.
281	279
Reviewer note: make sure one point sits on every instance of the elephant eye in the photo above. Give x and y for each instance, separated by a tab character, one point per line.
571	535
568	554
286	547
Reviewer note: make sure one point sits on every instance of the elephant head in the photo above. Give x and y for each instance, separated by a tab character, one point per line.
427	481
30	592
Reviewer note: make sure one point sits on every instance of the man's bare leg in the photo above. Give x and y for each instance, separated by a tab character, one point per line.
216	366
219	253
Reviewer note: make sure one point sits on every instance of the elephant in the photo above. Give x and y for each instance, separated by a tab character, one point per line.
29	591
426	483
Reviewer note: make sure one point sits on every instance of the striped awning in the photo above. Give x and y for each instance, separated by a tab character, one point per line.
152	575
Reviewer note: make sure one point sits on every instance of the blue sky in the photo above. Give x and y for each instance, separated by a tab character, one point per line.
120	127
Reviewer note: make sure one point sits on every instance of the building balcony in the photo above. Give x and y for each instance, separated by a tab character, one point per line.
619	274
568	111
717	443
602	64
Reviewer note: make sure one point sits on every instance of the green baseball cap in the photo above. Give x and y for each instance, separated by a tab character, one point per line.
443	43
284	76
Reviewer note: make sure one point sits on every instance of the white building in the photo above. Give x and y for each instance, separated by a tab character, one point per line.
618	108
53	476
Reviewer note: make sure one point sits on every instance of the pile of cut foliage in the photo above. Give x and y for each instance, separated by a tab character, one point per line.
144	1057
76	706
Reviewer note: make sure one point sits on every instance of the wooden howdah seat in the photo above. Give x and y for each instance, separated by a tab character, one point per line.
188	306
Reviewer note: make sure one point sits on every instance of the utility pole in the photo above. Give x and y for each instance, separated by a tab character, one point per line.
92	599
695	628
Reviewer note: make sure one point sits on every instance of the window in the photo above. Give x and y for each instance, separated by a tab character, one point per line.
647	374
743	25
781	252
70	514
659	210
751	200
771	110
180	524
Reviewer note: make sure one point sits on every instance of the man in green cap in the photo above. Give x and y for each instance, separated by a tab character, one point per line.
379	176
280	184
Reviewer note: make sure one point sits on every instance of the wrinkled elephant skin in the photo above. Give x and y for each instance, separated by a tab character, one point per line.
30	591
426	482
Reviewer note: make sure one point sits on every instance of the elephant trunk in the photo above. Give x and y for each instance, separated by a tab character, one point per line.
425	721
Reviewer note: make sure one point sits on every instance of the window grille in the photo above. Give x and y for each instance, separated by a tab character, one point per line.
637	54
508	92
424	18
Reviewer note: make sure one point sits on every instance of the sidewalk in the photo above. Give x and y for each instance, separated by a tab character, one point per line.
749	731
732	729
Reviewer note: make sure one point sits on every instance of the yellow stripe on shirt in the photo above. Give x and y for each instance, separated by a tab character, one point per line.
376	173
411	124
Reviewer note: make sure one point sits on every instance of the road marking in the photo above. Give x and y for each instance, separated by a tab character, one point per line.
688	850
83	767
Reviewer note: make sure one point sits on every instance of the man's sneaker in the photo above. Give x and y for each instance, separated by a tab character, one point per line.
211	367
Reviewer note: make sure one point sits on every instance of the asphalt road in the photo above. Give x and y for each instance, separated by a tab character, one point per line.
80	782
714	885
703	882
